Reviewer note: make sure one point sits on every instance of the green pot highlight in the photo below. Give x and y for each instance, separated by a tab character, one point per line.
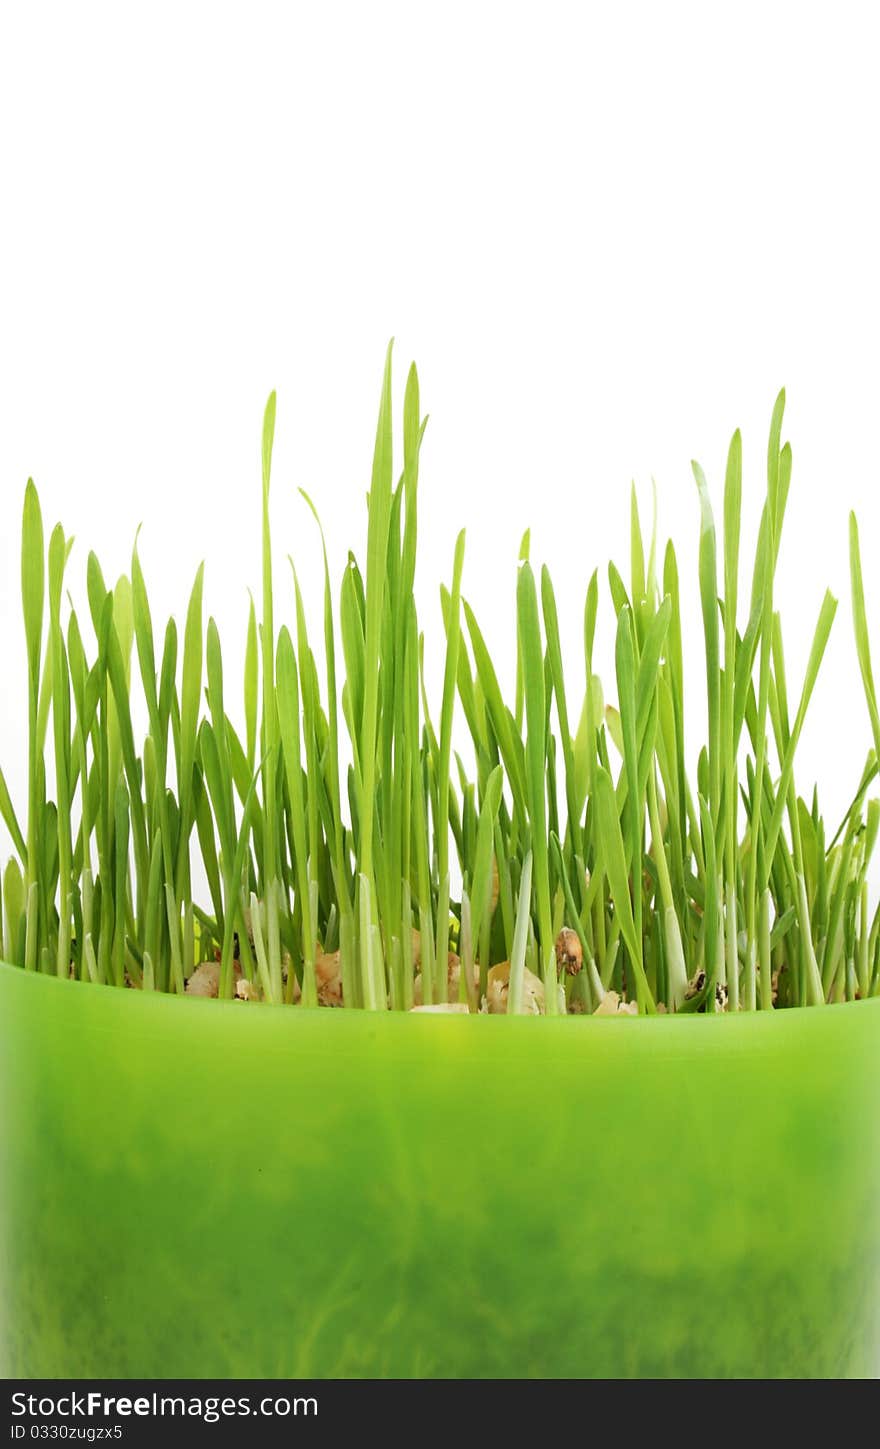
194	1188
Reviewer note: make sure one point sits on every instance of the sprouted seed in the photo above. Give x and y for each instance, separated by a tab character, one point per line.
575	862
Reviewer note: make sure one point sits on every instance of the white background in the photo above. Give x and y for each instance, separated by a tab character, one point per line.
608	234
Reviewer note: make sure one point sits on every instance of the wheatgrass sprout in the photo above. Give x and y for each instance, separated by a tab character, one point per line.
270	738
572	858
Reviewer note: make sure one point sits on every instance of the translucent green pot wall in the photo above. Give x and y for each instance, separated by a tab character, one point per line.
195	1189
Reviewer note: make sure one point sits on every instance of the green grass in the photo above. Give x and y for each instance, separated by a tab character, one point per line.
409	872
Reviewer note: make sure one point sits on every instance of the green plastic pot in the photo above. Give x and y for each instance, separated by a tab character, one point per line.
198	1189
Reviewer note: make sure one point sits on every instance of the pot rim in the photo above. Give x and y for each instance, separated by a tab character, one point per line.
171	1002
